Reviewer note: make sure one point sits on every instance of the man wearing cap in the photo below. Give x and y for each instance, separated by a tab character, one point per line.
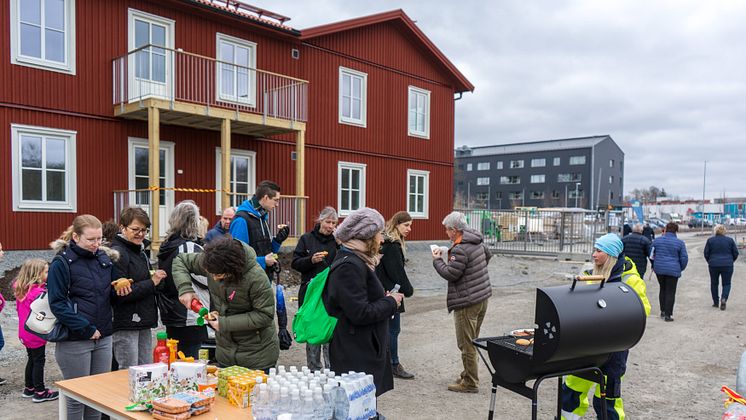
610	262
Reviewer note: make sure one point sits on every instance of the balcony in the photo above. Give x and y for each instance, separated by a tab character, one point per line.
196	91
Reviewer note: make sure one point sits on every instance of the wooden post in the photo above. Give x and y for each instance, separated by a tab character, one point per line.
225	173
154	171
300	178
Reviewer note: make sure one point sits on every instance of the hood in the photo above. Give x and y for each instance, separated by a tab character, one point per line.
59	244
173	242
619	268
471	236
248	207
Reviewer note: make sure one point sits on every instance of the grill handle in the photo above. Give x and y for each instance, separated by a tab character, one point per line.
588	278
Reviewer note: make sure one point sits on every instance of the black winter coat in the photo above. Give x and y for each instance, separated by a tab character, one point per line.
354	295
173	313
309	244
637	248
138	310
648	232
391	269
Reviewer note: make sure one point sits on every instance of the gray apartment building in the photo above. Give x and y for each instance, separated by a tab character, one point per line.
585	172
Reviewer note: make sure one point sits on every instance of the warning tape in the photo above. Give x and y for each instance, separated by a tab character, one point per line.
206	190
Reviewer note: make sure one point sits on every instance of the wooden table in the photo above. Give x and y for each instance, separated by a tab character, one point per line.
109	394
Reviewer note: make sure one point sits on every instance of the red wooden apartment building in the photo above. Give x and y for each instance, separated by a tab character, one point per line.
350	114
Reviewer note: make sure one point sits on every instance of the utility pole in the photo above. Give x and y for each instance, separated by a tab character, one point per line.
577	185
704	183
565	195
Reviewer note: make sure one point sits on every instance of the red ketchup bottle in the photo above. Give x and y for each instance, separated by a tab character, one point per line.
160	352
197	307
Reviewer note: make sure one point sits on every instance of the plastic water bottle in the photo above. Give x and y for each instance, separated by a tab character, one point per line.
328	393
341	402
260	403
372	403
319	406
295	403
307	408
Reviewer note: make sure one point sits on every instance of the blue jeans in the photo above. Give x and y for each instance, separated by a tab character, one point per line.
394	330
726	273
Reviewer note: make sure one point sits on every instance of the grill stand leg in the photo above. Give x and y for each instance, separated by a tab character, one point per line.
491	414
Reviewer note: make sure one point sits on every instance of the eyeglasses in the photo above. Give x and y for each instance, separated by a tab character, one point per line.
138	231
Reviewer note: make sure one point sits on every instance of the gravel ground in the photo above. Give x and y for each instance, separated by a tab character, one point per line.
676	371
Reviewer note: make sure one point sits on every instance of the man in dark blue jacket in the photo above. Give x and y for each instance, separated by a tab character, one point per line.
637	248
222	226
669	259
720	252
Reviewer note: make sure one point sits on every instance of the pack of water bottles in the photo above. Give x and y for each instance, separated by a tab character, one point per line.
294	394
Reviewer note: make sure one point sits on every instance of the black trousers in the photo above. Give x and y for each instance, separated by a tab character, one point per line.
34	376
667	294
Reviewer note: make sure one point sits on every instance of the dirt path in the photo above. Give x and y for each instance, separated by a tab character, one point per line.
676	371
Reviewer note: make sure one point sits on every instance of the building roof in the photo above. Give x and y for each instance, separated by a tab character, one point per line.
535	146
254	14
462	83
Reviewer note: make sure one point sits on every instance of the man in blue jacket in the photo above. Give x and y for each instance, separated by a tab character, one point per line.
222	226
669	259
250	225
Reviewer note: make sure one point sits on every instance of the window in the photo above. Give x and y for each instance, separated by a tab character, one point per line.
510	179
419	112
499	164
556	161
611	195
516	163
483	181
42	34
537	195
577	160
537	179
538	163
242	176
611	179
499	194
516	195
574	177
150	69
418	184
572	193
611	163
236	71
353	88
44	171
483	166
468	166
555	195
351	187
482	196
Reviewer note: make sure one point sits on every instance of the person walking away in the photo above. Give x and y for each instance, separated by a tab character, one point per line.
137	313
31	282
222	226
610	262
250	225
720	252
353	294
182	238
469	291
391	272
245	331
648	232
313	254
80	295
669	260
637	248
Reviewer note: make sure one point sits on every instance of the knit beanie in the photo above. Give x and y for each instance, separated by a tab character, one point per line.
610	244
361	224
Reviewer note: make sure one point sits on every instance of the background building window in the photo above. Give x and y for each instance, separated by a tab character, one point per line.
556	161
419	112
555	194
516	164
499	164
513	179
571	193
468	166
611	179
417	192
573	177
351	187
353	86
516	195
577	160
538	163
483	181
611	163
483	166
537	195
537	179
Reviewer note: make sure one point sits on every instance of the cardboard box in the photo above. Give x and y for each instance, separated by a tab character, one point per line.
185	376
148	382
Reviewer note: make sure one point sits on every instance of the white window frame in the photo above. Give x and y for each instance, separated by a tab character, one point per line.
250	100
499	164
485	180
248	154
414	132
140	88
70	137
556	161
577	160
469	166
516	164
425	193
483	166
352	166
516	195
611	179
538	162
506	180
535	179
611	163
362	122
68	66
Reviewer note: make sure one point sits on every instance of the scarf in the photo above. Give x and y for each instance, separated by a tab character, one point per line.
360	248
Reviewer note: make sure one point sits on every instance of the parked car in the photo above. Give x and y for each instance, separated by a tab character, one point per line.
656	222
737	221
694	222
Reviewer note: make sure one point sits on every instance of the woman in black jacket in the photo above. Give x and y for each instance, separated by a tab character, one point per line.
354	295
391	272
720	252
137	313
314	253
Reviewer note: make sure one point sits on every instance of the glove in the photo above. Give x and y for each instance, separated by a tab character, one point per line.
282	234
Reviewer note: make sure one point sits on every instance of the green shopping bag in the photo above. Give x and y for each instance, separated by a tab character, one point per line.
311	323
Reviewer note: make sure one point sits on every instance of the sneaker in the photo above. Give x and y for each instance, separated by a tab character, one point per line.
47	395
715	305
27	392
663	314
669	319
722	304
399	372
460	387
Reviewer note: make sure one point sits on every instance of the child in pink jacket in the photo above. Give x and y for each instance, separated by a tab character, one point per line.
31	283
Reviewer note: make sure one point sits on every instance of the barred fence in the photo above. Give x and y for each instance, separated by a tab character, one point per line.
547	232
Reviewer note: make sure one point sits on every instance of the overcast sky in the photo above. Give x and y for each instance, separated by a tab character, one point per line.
666	79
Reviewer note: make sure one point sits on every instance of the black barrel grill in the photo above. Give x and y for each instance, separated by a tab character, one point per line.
577	328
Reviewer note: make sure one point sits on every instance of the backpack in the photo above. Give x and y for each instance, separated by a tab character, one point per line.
312	324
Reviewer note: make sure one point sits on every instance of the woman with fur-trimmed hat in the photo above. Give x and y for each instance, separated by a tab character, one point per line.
354	295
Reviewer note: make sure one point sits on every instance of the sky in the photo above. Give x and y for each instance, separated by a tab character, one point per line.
666	79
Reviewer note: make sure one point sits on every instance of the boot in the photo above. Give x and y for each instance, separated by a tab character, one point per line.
460	387
722	304
399	372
